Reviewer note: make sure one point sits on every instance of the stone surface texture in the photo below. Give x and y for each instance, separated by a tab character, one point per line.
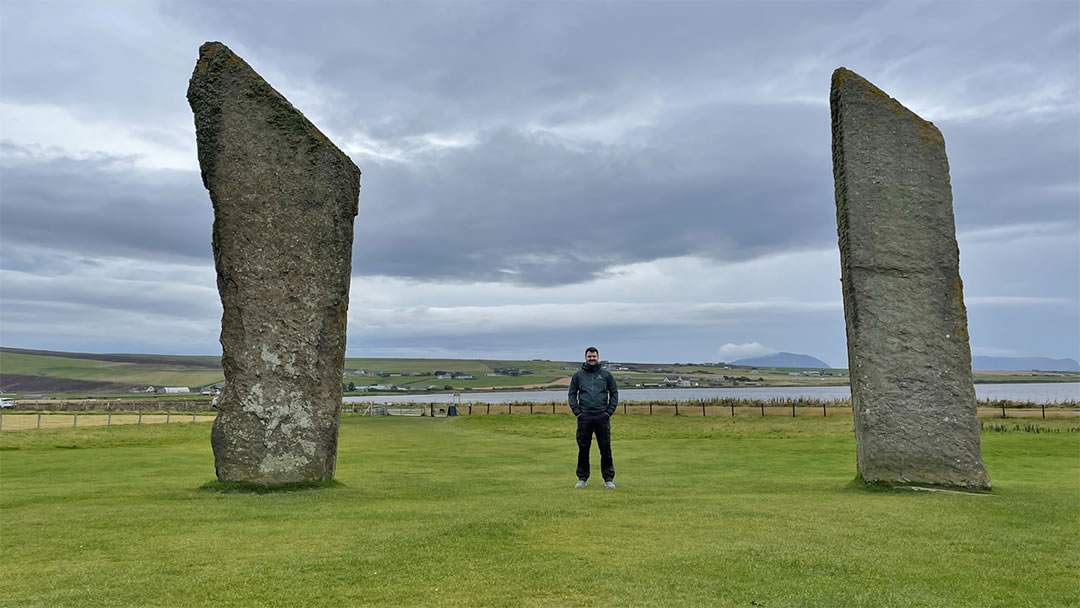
284	200
908	352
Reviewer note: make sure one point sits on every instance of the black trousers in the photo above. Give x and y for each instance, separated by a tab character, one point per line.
587	425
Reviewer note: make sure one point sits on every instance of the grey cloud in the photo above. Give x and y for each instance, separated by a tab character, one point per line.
1000	173
102	60
86	299
102	207
555	215
397	69
726	154
719	178
467	65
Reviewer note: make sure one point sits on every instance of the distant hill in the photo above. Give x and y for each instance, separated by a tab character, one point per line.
1046	364
45	371
185	361
783	360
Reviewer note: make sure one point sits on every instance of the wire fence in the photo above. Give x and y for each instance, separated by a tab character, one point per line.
793	408
790	408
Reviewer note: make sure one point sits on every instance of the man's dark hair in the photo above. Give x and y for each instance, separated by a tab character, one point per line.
592	349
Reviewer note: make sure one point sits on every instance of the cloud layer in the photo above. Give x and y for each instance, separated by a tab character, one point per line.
652	178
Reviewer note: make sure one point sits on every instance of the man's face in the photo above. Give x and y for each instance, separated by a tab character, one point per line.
592	357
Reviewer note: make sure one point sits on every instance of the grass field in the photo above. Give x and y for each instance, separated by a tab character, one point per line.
148	373
480	512
60	375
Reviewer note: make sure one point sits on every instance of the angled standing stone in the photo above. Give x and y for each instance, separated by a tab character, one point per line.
284	200
908	352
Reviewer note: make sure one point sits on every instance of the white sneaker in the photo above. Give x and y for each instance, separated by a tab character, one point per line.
609	485
580	484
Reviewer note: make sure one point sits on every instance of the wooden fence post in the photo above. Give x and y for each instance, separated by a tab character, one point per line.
732	409
168	417
1003	409
762	409
510	409
703	408
624	408
140	417
824	412
650	408
792	409
1044	411
39	420
530	408
75	421
552	407
676	408
489	409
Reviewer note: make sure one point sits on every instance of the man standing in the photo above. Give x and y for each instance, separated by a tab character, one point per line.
593	398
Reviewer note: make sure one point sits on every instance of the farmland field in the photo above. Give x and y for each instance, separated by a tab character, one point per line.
480	512
145	370
61	374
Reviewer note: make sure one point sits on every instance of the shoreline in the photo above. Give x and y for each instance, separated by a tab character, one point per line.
751	385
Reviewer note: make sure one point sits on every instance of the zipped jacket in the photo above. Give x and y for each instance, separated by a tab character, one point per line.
593	391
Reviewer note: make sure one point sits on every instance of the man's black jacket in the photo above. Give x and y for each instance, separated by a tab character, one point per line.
593	390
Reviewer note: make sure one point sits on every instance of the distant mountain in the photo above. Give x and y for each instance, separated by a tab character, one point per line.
990	364
783	360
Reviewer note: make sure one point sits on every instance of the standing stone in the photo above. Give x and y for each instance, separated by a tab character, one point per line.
284	200
911	384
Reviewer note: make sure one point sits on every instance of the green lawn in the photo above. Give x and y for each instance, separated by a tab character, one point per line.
480	512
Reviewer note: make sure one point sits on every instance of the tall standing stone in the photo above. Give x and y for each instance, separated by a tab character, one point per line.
284	201
908	352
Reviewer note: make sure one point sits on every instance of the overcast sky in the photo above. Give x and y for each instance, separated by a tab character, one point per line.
651	178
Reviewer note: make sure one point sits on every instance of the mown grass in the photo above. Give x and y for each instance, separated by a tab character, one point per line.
480	512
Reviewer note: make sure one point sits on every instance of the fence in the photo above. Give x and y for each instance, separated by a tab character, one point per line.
115	405
792	408
21	422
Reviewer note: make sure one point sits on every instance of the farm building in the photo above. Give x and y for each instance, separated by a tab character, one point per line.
174	389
